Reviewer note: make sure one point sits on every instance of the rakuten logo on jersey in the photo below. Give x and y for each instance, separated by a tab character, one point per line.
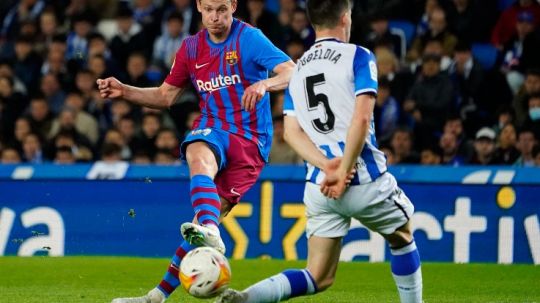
217	83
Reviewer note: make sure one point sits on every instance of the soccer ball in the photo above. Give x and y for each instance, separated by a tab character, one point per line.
204	272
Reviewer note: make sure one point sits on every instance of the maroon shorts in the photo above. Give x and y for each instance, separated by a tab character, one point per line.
242	169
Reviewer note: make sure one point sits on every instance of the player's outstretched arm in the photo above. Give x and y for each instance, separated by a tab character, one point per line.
295	136
279	81
154	97
334	184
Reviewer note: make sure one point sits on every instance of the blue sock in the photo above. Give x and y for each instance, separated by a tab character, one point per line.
205	200
171	280
407	273
288	284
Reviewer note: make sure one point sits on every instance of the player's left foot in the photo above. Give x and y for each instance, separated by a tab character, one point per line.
202	236
232	296
153	296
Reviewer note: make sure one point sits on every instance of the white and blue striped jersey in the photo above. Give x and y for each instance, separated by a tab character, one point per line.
322	95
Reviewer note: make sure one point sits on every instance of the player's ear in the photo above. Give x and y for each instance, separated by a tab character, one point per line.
199	5
234	5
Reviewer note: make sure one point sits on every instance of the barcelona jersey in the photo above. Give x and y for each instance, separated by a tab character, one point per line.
221	72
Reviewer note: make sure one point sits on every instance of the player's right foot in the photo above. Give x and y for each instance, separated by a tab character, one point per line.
232	296
153	296
199	235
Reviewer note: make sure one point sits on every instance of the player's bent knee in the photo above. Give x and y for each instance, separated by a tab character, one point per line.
401	237
322	281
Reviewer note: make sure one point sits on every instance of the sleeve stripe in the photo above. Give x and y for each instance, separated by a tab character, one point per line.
366	90
289	112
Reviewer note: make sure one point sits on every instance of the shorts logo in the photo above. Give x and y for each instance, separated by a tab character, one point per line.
204	132
231	57
234	192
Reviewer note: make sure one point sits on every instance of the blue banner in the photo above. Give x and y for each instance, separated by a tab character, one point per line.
461	215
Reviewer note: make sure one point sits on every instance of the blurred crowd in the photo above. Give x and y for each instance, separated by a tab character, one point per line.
459	80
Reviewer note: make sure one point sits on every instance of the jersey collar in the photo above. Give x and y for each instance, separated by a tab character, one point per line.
323	39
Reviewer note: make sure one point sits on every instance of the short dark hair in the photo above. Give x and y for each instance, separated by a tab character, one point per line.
326	13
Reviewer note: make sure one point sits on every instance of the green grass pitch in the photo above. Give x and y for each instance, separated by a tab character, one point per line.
100	279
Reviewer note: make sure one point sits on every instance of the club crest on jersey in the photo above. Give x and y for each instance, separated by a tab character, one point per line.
231	57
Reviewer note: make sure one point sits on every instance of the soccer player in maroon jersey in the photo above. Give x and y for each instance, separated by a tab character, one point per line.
228	63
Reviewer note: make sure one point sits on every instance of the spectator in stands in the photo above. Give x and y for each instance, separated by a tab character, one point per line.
435	47
141	158
66	121
151	124
402	145
295	49
12	105
423	24
85	85
437	30
453	124
462	19
52	91
525	144
387	111
380	35
85	123
505	27
505	115
32	149
467	75
10	155
77	7
286	10
40	116
169	42
97	65
530	87
113	136
165	157
77	42
127	127
148	15
166	139
533	120
23	127
431	155
512	66
265	20
27	63
189	14
97	46
48	29
25	10
6	70
449	145
64	155
484	146
281	152
430	99
111	153
136	71
536	155
55	64
506	151
388	68
389	154
77	144
128	39
300	28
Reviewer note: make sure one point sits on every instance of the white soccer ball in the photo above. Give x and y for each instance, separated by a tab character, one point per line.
204	272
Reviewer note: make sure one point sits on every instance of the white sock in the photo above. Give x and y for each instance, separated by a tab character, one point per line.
407	273
283	286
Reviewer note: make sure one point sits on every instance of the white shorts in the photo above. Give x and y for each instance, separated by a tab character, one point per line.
380	206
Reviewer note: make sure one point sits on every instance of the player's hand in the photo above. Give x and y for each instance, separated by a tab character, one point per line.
253	94
335	176
110	88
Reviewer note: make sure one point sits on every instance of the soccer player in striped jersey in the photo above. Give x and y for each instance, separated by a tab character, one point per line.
228	63
329	115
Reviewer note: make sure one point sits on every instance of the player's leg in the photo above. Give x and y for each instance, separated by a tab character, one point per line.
323	258
170	281
405	264
203	166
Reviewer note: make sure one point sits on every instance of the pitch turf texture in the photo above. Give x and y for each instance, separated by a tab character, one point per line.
99	279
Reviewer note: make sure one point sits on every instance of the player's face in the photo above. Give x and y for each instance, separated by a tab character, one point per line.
217	15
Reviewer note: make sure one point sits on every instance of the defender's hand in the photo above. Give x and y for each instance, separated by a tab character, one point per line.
110	88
